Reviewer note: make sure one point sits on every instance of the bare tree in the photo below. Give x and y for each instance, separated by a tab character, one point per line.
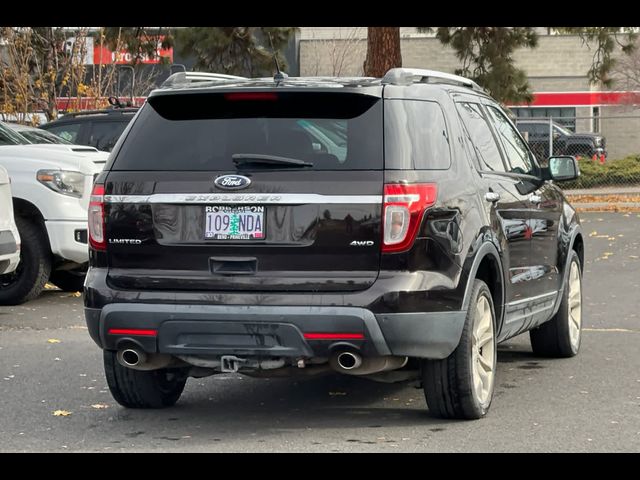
340	52
626	72
38	64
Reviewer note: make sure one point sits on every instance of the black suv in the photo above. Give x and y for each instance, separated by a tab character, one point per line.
565	142
394	228
97	128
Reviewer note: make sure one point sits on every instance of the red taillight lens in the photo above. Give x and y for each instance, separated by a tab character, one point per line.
404	205
97	238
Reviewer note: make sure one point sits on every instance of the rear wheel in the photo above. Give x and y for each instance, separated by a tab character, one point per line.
32	273
143	389
68	281
461	385
560	336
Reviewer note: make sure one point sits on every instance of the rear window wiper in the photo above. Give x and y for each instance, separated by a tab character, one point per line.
255	158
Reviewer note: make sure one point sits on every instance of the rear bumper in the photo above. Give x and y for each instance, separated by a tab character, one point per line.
273	331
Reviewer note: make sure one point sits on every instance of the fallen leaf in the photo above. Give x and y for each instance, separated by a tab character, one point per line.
53	340
98	406
633	256
61	413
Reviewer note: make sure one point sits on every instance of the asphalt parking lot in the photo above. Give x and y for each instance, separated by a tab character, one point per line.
589	403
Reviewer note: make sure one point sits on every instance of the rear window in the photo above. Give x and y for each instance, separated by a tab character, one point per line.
416	136
333	131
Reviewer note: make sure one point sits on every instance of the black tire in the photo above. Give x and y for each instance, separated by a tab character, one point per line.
448	383
68	281
29	279
143	389
553	338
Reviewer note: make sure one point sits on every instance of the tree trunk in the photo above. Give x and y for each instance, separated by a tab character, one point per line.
383	50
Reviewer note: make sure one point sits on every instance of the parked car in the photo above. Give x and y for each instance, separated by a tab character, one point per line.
37	135
97	128
13	134
229	234
51	185
9	236
565	142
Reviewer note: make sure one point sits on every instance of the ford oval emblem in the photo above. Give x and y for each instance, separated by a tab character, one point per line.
232	182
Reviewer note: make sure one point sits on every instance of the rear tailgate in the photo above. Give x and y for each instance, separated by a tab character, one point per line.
174	222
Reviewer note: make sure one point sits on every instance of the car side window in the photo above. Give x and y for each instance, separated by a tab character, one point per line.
416	135
480	137
514	147
68	131
104	135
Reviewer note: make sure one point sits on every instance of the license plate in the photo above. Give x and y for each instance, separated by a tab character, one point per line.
234	223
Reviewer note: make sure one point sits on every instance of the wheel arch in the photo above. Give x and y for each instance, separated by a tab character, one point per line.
487	266
576	243
27	210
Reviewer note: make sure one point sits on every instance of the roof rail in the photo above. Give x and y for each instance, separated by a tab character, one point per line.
408	76
181	78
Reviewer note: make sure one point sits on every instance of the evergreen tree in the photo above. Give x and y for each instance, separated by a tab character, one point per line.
486	54
604	41
242	51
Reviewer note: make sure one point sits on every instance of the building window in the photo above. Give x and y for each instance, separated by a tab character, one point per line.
565	116
595	127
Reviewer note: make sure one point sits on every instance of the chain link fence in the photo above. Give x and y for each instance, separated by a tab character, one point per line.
607	147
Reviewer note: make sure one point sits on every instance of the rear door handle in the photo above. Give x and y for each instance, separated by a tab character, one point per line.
492	197
535	199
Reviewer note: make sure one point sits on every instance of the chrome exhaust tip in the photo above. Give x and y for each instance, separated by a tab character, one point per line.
131	357
349	360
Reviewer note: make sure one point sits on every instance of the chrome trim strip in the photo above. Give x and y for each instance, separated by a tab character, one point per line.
530	299
245	198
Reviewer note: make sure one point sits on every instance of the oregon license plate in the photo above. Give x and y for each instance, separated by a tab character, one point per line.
234	222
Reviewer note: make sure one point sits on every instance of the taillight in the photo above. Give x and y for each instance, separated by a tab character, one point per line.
403	208
96	219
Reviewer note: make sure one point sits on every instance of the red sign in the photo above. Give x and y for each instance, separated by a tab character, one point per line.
105	56
572	99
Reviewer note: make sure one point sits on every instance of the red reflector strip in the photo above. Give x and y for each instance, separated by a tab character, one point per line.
334	336
132	331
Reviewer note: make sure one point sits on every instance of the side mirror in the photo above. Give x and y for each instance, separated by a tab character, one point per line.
563	168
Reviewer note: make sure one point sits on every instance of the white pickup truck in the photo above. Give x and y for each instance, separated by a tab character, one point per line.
51	186
9	237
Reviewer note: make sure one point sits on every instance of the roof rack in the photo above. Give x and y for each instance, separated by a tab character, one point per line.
181	78
408	76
